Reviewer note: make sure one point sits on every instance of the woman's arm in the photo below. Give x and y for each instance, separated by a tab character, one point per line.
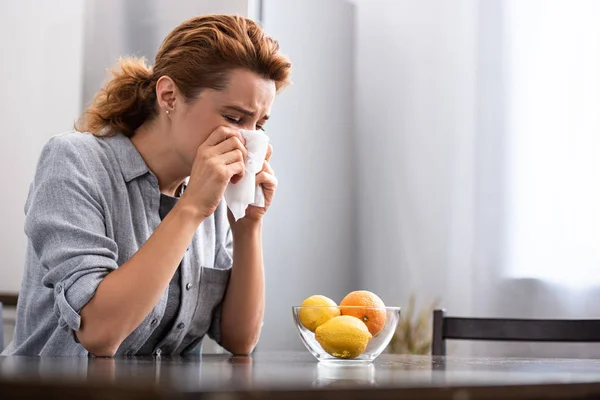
244	303
127	295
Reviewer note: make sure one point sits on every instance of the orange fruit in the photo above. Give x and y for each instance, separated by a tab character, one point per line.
374	318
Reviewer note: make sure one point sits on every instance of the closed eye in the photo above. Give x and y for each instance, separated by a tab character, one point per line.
232	120
237	121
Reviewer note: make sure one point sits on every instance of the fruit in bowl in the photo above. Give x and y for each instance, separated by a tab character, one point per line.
317	310
343	336
367	307
356	331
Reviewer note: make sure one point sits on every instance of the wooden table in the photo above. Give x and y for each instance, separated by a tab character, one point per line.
295	376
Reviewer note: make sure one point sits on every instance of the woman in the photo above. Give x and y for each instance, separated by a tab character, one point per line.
130	249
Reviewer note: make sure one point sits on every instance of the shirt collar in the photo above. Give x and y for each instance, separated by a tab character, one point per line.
130	160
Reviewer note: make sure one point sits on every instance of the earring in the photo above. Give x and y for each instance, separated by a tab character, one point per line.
167	112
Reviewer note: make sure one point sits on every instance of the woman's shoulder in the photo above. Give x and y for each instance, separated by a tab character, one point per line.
80	150
78	159
68	161
72	143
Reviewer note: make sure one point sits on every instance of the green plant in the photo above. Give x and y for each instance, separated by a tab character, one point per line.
413	335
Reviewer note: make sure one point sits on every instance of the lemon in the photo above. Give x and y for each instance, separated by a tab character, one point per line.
318	310
344	336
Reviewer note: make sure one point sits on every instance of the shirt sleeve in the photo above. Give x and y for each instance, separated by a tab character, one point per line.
64	221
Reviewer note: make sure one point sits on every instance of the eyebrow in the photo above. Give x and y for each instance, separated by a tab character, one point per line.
244	111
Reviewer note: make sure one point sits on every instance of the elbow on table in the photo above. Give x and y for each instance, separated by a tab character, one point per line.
100	344
240	347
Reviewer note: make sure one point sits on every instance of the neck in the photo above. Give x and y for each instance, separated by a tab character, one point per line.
164	162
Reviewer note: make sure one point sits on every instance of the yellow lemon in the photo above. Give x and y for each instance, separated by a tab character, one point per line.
316	311
344	336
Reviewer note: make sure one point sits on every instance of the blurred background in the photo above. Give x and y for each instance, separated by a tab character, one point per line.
444	150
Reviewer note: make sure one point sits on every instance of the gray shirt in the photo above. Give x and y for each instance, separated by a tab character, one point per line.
92	203
173	296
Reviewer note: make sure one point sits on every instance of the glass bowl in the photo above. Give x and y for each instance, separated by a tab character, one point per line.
375	346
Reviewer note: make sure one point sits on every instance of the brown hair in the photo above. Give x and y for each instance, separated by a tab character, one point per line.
198	54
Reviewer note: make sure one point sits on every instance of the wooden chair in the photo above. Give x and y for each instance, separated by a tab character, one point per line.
515	330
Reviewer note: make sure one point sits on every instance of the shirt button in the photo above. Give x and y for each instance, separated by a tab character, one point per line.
59	288
158	351
188	286
154	322
180	325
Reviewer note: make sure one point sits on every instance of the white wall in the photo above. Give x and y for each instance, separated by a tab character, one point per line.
40	77
309	231
415	108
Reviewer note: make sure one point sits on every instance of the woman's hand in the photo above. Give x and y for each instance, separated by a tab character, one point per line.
219	160
266	178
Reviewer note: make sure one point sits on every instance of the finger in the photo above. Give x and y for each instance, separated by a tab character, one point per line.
233	156
235	171
223	133
266	180
269	152
233	143
267	168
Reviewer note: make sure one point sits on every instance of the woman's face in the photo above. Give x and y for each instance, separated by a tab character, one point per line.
244	104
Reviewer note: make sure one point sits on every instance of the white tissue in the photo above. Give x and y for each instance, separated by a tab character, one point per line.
246	192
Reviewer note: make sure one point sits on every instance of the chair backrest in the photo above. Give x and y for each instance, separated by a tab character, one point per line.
505	329
1	330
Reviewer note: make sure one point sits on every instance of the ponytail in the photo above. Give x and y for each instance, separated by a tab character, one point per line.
124	103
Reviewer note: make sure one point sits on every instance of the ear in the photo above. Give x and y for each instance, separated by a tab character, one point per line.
166	93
